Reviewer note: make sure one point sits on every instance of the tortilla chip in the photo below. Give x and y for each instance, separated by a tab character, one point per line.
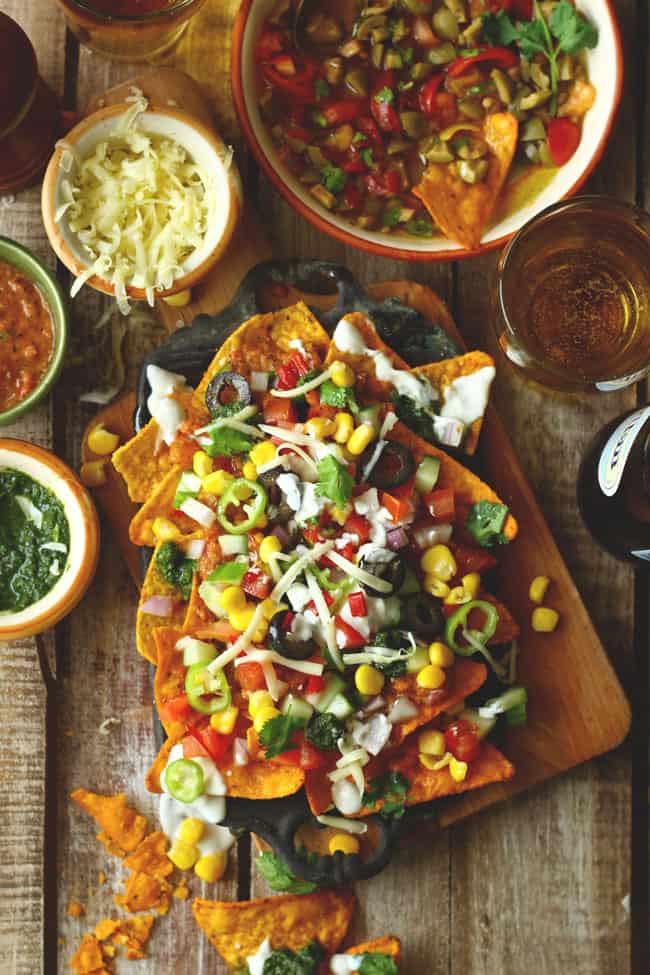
426	784
106	928
152	778
441	374
261	780
289	921
142	465
197	613
388	945
263	344
160	504
150	857
462	210
368	388
133	933
88	958
169	680
124	826
467	487
144	893
145	623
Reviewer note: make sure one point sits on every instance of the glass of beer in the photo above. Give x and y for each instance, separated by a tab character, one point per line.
572	296
129	30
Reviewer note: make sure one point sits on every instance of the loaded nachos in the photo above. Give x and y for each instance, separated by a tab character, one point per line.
317	605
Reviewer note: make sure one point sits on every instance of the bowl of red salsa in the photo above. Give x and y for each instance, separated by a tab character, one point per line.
426	129
33	330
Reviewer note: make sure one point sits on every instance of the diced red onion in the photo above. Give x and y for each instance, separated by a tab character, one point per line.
281	534
259	381
433	535
396	539
194	548
158	606
347	797
240	752
403	709
198	511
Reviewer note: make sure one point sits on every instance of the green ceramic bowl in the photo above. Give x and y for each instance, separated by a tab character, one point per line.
12	253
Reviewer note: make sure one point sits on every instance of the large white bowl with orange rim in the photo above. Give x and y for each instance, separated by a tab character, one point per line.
206	148
83	522
605	66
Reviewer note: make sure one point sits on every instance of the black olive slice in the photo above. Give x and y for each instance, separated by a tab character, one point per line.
225	389
394	467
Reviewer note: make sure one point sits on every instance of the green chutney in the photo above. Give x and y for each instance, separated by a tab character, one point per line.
33	529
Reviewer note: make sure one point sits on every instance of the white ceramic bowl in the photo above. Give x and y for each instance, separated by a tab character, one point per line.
206	148
605	64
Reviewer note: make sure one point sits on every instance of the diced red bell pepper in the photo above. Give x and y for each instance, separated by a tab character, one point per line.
423	33
520	9
278	410
256	584
215	745
345	110
427	95
315	684
290	757
347	552
397	508
502	57
269	42
462	740
563	139
300	83
353	198
311	758
298	132
250	677
470	559
291	371
357	525
357	601
177	708
285	64
287	620
385	116
368	127
353	638
312	535
441	504
327	596
355	164
383	184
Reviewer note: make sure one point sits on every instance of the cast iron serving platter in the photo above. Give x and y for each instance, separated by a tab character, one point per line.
189	352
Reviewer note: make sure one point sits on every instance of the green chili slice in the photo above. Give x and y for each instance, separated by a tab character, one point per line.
206	692
459	619
184	780
253	506
232	572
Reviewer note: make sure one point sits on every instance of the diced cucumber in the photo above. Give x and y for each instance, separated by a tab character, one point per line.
483	725
188	486
426	476
333	686
233	544
209	593
340	707
370	415
297	708
409	586
419	660
196	651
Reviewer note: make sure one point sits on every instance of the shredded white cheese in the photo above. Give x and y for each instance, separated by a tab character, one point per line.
310	667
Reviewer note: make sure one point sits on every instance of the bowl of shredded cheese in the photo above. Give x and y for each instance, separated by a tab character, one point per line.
140	201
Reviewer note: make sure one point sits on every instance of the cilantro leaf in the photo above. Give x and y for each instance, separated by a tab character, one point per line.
226	442
532	38
377	964
485	522
384	94
420	421
287	962
333	178
321	88
393	788
324	730
279	877
276	734
367	157
390	216
571	29
308	376
175	569
340	396
334	481
499	30
419	227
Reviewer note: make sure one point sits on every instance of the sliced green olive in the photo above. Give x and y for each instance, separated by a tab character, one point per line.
441	53
367	221
457	8
377	56
379	35
323	29
368	24
533	131
472	170
437	151
539	76
393	61
309	176
341	138
323	196
445	24
412	123
395	146
333	70
503	85
565	68
534	100
356	79
470	35
471	108
421	71
418	7
316	157
545	155
473	149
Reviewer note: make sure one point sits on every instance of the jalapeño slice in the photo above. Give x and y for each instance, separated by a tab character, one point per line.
206	692
247	496
184	780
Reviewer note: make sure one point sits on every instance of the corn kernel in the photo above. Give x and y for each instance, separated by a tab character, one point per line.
436	587
344	843
263	715
211	867
545	619
320	427
217	482
191	831
431	677
538	588
180	300
102	441
340	515
259	700
440	655
240	619
165	530
457	770
368	680
362	436
183	855
431	762
457	596
343	427
93	473
270	546
259	634
439	561
242	492
249	470
471	584
201	464
432	743
224	721
263	452
342	374
232	598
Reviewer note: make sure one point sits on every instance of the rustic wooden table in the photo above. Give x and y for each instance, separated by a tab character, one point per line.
537	883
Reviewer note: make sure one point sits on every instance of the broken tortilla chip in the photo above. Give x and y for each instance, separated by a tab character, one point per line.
160	504
169	680
142	462
265	342
387	945
150	857
152	778
133	933
147	623
124	826
143	893
442	374
289	921
88	959
462	210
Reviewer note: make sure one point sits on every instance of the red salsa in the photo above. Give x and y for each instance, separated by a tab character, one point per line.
26	336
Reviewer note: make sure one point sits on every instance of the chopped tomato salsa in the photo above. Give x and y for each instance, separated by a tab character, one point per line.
26	336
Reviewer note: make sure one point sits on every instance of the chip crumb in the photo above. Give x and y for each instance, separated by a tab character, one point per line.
181	892
108	724
75	909
101	878
70	732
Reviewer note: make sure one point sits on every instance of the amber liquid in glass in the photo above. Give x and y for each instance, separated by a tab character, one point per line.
581	298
